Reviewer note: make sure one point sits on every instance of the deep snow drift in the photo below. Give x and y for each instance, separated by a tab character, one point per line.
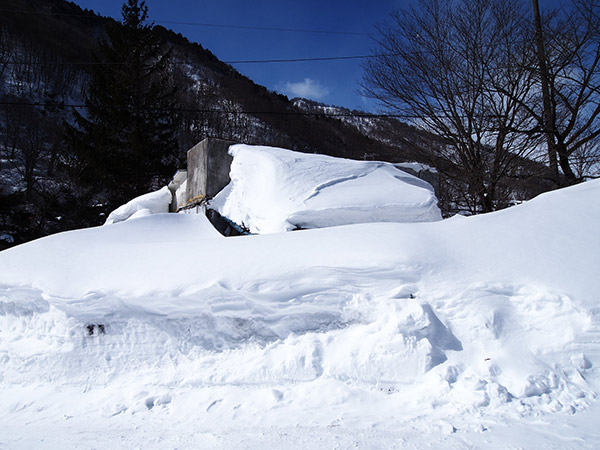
274	190
144	205
158	332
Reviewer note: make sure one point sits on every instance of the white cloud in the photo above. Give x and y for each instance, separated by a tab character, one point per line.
308	88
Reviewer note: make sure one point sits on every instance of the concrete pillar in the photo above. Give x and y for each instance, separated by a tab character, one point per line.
208	165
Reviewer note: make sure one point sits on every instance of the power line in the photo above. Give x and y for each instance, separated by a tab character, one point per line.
44	13
360	115
199	24
326	58
244	27
242	61
221	111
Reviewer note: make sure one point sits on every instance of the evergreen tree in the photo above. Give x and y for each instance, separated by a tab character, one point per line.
124	142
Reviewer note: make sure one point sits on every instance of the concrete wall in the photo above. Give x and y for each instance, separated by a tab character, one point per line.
208	165
219	164
197	170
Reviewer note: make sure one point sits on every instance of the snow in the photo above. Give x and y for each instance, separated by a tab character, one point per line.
274	190
479	332
6	238
178	188
152	203
181	194
416	167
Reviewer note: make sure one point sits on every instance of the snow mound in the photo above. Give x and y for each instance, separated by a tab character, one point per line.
152	203
481	331
274	190
133	256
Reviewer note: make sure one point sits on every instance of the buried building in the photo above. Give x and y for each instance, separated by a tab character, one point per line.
258	189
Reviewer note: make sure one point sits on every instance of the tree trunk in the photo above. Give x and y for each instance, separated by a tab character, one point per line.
547	117
565	165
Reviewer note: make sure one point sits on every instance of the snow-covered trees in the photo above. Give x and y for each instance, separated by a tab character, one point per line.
124	139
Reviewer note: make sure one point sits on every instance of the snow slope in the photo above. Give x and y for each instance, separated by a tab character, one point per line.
160	333
274	190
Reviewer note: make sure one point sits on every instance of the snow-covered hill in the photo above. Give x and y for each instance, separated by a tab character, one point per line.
159	333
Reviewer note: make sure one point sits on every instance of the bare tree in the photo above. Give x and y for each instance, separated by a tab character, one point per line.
6	49
27	137
459	70
568	49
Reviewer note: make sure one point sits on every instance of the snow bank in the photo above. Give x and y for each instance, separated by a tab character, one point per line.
140	256
274	190
152	203
480	331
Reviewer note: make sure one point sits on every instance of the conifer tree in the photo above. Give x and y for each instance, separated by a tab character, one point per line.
124	141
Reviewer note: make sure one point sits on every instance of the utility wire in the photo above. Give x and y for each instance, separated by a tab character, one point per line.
221	111
364	115
199	24
256	61
326	58
241	61
244	27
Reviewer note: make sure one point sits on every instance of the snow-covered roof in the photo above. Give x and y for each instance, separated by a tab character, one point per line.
274	190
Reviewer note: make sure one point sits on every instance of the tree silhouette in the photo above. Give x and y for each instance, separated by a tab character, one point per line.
460	70
124	140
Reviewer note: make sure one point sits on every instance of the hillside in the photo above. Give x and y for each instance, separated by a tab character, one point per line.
46	49
271	119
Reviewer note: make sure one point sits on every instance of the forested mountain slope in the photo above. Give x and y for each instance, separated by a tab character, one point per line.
48	52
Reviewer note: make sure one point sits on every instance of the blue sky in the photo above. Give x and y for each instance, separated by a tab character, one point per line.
331	82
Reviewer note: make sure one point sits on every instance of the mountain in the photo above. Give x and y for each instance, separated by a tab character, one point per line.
46	49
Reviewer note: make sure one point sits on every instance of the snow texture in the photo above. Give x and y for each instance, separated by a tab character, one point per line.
152	203
478	332
274	190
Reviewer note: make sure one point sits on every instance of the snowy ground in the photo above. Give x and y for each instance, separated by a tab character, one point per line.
480	332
